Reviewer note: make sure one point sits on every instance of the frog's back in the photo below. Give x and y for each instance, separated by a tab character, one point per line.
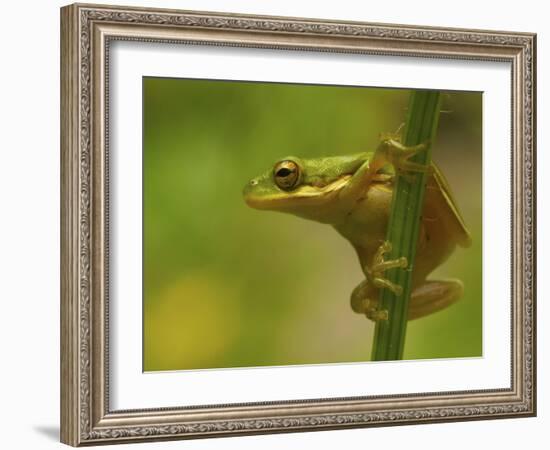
438	197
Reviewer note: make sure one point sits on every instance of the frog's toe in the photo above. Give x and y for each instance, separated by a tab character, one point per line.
377	315
387	284
381	266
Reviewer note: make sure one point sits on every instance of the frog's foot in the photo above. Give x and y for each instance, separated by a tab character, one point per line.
364	301
364	298
375	273
434	296
399	155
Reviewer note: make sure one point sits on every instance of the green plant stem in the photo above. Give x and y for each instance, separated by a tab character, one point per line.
403	226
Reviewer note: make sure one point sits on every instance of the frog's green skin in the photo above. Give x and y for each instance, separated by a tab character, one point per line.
353	194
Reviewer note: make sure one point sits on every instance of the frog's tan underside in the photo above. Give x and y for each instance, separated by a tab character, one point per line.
441	230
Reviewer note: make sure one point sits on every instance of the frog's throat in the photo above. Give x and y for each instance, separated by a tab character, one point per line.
302	193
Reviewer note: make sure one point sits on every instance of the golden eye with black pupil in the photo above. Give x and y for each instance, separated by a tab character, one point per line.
286	174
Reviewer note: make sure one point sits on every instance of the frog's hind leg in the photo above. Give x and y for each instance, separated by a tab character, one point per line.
434	296
364	300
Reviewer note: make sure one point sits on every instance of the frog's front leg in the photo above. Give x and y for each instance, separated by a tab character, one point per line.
364	298
389	151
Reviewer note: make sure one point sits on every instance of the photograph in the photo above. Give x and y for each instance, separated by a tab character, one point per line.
265	220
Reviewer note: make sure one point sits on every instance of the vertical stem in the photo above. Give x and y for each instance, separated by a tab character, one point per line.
403	227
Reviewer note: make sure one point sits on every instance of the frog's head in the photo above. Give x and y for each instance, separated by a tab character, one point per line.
304	187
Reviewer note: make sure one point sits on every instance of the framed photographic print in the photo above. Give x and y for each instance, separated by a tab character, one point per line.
275	224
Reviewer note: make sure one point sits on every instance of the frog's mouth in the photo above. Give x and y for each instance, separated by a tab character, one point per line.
304	194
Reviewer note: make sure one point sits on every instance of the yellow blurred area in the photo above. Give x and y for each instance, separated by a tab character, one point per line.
179	335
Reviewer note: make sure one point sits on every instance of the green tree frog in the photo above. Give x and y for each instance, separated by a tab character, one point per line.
353	194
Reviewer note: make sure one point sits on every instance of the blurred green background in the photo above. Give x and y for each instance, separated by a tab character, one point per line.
229	286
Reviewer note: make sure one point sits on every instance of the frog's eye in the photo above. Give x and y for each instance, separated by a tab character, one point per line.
286	174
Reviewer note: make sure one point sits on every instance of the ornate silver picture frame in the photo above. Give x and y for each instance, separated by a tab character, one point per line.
87	34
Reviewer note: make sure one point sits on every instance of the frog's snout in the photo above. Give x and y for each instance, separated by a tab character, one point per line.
249	187
253	194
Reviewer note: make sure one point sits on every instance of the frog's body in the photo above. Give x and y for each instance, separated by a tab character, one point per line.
353	194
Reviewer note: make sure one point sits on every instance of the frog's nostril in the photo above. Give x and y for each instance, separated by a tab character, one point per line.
253	182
